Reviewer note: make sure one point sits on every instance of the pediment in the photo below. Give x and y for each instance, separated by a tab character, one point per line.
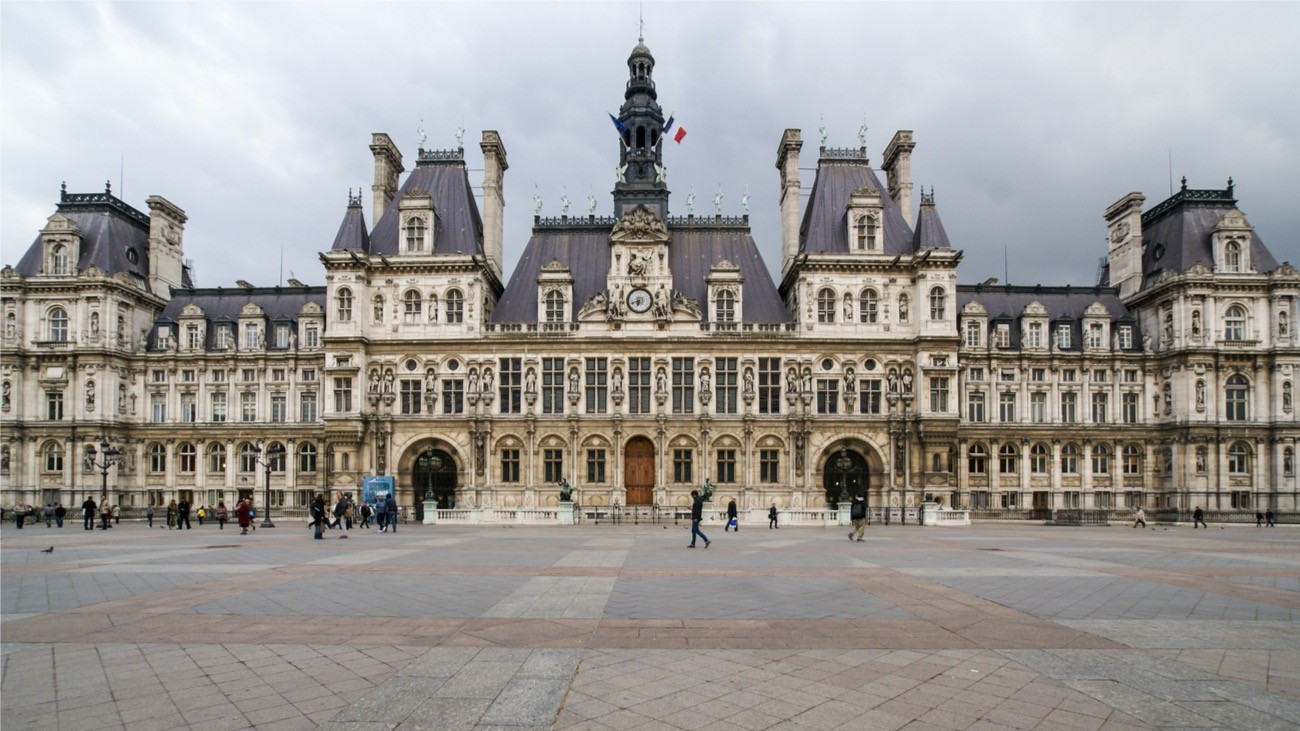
191	310
309	309
1096	309
640	225
251	309
1035	309
974	308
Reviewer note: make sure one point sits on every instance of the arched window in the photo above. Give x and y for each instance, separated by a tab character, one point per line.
415	234
58	324
1236	397
307	457
1038	456
157	458
1132	459
555	306
904	307
1008	459
1232	257
455	305
53	457
217	458
977	459
185	458
1234	323
862	232
275	456
1101	460
1070	459
826	305
726	306
938	303
1239	455
868	305
344	303
412	306
58	260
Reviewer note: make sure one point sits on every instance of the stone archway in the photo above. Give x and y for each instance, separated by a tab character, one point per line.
639	471
846	472
433	477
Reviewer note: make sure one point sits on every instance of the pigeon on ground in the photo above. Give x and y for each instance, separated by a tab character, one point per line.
48	550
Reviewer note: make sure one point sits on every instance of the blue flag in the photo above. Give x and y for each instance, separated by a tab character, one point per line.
668	127
622	128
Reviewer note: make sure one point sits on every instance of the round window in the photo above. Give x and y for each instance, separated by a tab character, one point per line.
827	364
1157	252
453	365
869	364
411	364
132	255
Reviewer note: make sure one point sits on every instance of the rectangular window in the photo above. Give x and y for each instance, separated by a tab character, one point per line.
1126	337
769	463
311	336
342	394
828	396
1038	407
597	385
1038	374
1007	407
973	328
683	385
453	396
1100	407
158	376
218	407
1069	460
975	407
54	405
1100	375
248	406
1071	499
224	337
1096	338
279	408
1034	335
510	385
193	337
1100	461
595	466
252	335
307	407
158	408
308	374
869	395
1241	500
683	465
1038	460
189	408
939	393
1007	376
975	374
1063	337
281	336
189	375
412	392
510	465
248	375
1069	407
769	385
552	385
728	376
277	374
1130	408
552	465
1068	375
638	385
1004	335
218	376
726	466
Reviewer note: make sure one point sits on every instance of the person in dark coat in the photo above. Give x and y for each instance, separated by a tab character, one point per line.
1268	517
88	513
390	504
318	515
771	517
245	513
732	522
858	514
1198	516
183	514
697	514
59	513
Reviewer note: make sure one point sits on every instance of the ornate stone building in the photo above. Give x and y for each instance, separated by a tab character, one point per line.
641	354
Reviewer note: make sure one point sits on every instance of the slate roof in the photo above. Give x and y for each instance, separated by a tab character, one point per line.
1179	230
352	232
824	229
224	304
445	178
694	250
929	229
1063	304
110	228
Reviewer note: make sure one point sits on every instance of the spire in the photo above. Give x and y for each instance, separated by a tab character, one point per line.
929	229
641	123
352	232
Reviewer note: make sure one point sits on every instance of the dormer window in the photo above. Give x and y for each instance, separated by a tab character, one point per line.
1095	335
252	335
1232	257
973	332
1034	335
866	233
223	338
281	336
726	307
58	260
1063	337
554	306
415	234
1004	335
1125	337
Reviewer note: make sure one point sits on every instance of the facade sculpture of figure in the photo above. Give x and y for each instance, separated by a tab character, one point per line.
94	323
530	381
487	380
1288	462
1200	395
848	307
907	380
473	380
121	399
749	380
617	382
374	380
573	380
389	380
893	380
1196	323
4	459
620	173
433	308
379	308
704	380
791	381
90	396
1283	325
661	381
850	381
430	380
5	390
807	380
1200	460
1286	397
11	326
903	306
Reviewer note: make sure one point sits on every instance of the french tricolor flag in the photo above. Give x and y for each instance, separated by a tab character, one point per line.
681	131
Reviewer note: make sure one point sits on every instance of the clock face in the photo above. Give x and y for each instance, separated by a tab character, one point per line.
639	300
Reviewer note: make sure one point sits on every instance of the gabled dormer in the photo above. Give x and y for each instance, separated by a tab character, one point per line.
1096	320
193	328
1034	327
726	301
555	294
1231	241
417	223
61	246
311	323
974	325
865	221
252	327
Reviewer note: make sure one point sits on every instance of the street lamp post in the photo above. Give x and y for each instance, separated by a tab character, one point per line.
110	456
272	453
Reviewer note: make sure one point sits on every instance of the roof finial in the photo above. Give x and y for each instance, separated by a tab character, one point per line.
640	20
419	132
1184	187
108	187
1229	185
63	190
862	133
822	130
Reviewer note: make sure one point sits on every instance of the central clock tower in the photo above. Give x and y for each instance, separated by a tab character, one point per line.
639	279
641	172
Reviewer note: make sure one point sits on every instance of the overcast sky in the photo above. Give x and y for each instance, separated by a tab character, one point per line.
1030	119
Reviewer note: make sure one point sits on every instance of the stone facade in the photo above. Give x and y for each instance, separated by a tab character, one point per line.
641	355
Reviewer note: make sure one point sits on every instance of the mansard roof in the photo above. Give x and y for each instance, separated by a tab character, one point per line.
110	230
1064	305
929	229
222	304
824	228
352	232
443	176
1177	233
696	246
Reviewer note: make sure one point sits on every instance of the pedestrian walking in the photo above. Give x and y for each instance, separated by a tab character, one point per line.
222	515
183	514
366	512
1268	517
732	520
148	514
49	514
1140	518
340	515
381	513
88	513
1198	516
390	504
318	515
59	513
244	512
105	513
858	514
697	514
1259	519
20	516
202	513
771	517
171	514
117	515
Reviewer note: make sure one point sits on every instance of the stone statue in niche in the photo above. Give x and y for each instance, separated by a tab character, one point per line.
374	380
90	395
903	307
379	309
121	399
749	381
807	380
617	382
850	381
893	380
1286	396
433	308
473	380
907	380
1288	461
530	382
4	459
1200	395
1283	324
487	380
389	378
1196	323
573	380
1200	460
791	381
704	380
430	380
661	381
5	392
11	325
848	307
94	324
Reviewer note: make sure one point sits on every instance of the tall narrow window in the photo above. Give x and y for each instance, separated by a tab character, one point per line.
1038	456
939	393
1070	459
58	260
412	307
1239	459
1100	459
554	306
343	394
307	457
1100	407
595	466
189	408
1236	396
510	465
638	385
54	405
1007	407
307	407
509	385
1232	257
186	458
58	324
726	466
769	461
53	457
868	306
455	306
683	385
683	461
975	406
343	304
453	396
938	303
1069	407
769	385
977	459
217	458
552	385
973	332
1234	323
828	396
870	391
728	376
552	465
157	458
1008	459
826	305
597	384
726	308
1132	459
412	393
415	234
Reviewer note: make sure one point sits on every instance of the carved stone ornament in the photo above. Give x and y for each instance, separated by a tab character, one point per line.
639	225
1120	232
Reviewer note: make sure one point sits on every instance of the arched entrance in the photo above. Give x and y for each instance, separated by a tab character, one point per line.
433	477
639	471
845	473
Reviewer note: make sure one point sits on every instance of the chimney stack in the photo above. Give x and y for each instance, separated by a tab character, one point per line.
494	203
1124	232
388	166
898	166
166	245
787	161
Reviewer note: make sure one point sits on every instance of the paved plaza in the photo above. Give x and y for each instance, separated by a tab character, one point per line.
618	627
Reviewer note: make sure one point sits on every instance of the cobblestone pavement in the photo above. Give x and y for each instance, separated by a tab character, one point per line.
616	627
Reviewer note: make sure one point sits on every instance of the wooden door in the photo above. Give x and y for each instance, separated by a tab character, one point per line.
639	471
